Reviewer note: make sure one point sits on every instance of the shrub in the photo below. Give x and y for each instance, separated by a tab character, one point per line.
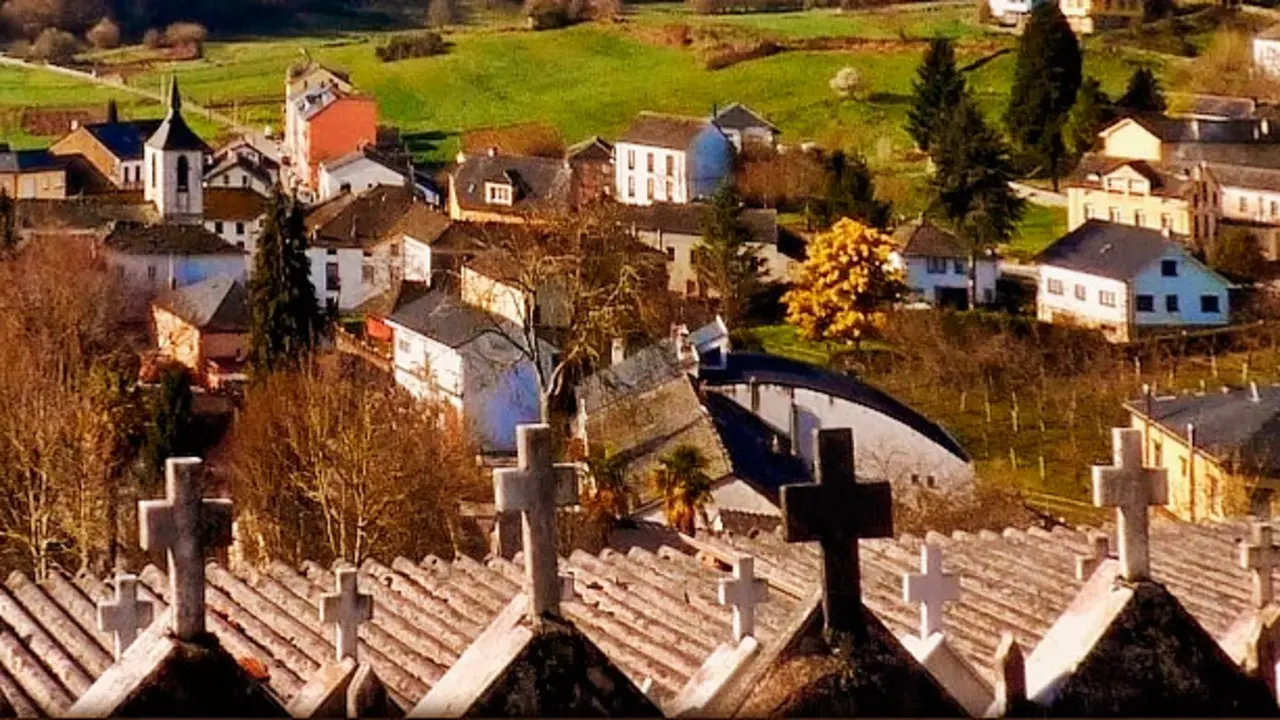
54	46
442	12
186	34
411	45
1236	253
847	83
152	38
105	35
552	14
732	55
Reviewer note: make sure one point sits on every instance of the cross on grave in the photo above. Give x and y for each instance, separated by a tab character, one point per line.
836	511
184	525
346	609
743	592
126	614
1099	550
535	488
1130	488
1260	556
931	588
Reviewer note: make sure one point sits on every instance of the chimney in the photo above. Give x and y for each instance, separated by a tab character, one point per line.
1253	392
618	351
794	421
75	125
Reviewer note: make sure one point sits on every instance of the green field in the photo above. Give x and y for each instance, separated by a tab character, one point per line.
1040	227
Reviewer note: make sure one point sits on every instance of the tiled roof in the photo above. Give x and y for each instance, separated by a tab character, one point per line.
654	613
219	304
166	239
1105	249
689	219
740	117
675	132
359	221
923	238
1018	581
539	183
233	203
1231	426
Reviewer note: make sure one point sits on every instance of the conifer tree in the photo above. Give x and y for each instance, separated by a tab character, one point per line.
850	191
936	91
1045	82
725	259
1091	111
1143	93
285	318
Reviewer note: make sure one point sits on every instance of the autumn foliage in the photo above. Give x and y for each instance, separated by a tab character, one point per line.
846	283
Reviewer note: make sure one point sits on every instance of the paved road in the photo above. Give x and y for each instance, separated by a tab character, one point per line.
1035	195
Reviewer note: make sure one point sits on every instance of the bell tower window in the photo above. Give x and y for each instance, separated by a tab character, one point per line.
184	171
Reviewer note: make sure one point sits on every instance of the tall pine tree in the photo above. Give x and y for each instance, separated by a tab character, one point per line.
1045	82
1091	111
850	191
971	184
937	89
725	259
285	317
1143	93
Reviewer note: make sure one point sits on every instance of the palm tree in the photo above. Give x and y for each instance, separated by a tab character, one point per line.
684	487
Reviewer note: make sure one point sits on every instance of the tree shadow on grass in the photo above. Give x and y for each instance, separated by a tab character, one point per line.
424	145
886	98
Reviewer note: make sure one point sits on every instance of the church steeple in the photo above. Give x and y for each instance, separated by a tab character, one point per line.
174	164
175	99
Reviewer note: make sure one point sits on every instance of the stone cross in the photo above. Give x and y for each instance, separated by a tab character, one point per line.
184	525
535	488
1099	550
931	588
1130	488
126	614
1260	556
743	592
346	609
836	511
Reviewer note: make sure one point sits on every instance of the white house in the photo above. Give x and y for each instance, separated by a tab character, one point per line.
935	264
744	126
236	215
669	158
248	163
149	259
1266	51
471	359
1123	280
356	173
1011	12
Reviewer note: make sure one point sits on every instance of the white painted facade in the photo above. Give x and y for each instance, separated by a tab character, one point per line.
417	260
145	276
926	276
360	273
1266	54
241	233
358	176
681	277
175	182
130	174
646	174
886	448
236	176
1118	308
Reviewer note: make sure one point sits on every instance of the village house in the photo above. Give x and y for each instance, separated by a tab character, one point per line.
152	258
1127	281
676	230
1213	108
508	188
935	265
32	174
235	214
670	159
1221	449
1089	16
106	156
246	164
357	172
591	165
745	127
354	249
205	328
325	119
1266	51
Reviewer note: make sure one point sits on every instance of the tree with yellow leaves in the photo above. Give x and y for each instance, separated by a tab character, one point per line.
845	284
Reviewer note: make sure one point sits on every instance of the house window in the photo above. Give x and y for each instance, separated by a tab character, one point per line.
1169	268
1209	304
1139	219
244	181
936	265
332	279
1166	222
671	165
239	228
959	266
1157	453
1182	463
226	179
671	190
690	287
930	481
153	171
1113	214
649	188
184	174
1081	293
631	159
1106	298
498	193
1171	303
1145	303
366	274
915	478
403	345
1244	204
671	254
217	227
240	244
650	162
1055	286
631	186
331	251
151	272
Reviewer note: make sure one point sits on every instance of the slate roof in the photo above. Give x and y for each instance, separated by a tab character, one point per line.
675	132
16	161
422	223
1220	106
1016	581
772	369
232	160
689	219
758	455
925	239
1165	182
1249	178
740	117
653	613
640	371
1191	130
174	133
1105	249
167	239
594	148
125	139
444	318
233	203
219	304
539	183
1230	426
358	221
358	155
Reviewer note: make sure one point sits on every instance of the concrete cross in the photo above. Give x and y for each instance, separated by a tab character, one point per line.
836	511
1100	549
126	615
1260	556
743	592
346	609
184	525
535	488
1130	488
931	588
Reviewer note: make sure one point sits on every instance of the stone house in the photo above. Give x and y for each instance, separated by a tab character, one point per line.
935	265
670	159
110	153
591	162
1126	281
745	127
205	328
1266	51
32	174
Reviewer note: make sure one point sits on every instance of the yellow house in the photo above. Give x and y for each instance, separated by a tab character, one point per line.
1221	450
508	188
1087	16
